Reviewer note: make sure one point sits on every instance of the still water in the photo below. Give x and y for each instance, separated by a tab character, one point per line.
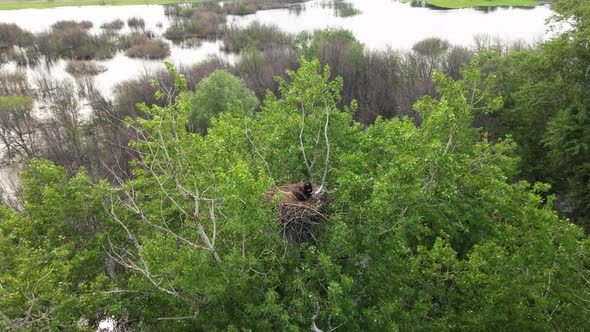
381	24
388	23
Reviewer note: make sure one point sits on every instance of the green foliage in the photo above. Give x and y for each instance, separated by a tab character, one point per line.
480	3
51	272
425	229
69	39
16	103
11	34
218	93
255	35
546	109
310	45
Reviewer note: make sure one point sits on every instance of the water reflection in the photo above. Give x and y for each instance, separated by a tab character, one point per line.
341	8
296	9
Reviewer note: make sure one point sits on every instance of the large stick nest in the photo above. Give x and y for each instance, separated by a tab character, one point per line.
299	219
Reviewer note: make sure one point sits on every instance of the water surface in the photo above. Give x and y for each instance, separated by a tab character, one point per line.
381	24
387	23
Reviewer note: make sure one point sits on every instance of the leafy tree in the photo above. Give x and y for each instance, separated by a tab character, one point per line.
216	94
424	229
546	109
52	267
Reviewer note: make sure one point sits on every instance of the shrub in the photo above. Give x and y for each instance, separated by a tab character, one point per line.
216	94
431	47
341	8
127	41
84	68
114	25
136	23
24	57
201	24
149	49
71	25
247	7
70	40
260	36
241	8
11	34
138	45
14	83
259	69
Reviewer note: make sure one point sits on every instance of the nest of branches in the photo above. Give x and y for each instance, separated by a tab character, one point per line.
299	218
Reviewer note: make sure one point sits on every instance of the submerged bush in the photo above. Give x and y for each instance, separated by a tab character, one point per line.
71	25
134	38
74	42
247	7
84	68
200	24
241	7
342	8
136	23
149	49
257	35
11	34
113	25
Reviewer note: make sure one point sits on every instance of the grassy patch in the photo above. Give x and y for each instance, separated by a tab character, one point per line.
24	4
480	3
15	103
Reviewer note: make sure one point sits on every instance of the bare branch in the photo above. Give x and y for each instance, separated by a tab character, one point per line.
327	161
315	316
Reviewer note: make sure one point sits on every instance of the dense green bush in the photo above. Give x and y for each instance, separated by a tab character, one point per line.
216	94
546	110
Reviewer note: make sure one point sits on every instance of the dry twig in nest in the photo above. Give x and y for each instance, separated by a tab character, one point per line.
299	219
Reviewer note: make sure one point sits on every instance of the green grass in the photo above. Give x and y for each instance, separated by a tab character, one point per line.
479	3
14	103
24	4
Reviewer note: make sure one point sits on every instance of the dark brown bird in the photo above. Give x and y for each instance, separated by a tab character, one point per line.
302	193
